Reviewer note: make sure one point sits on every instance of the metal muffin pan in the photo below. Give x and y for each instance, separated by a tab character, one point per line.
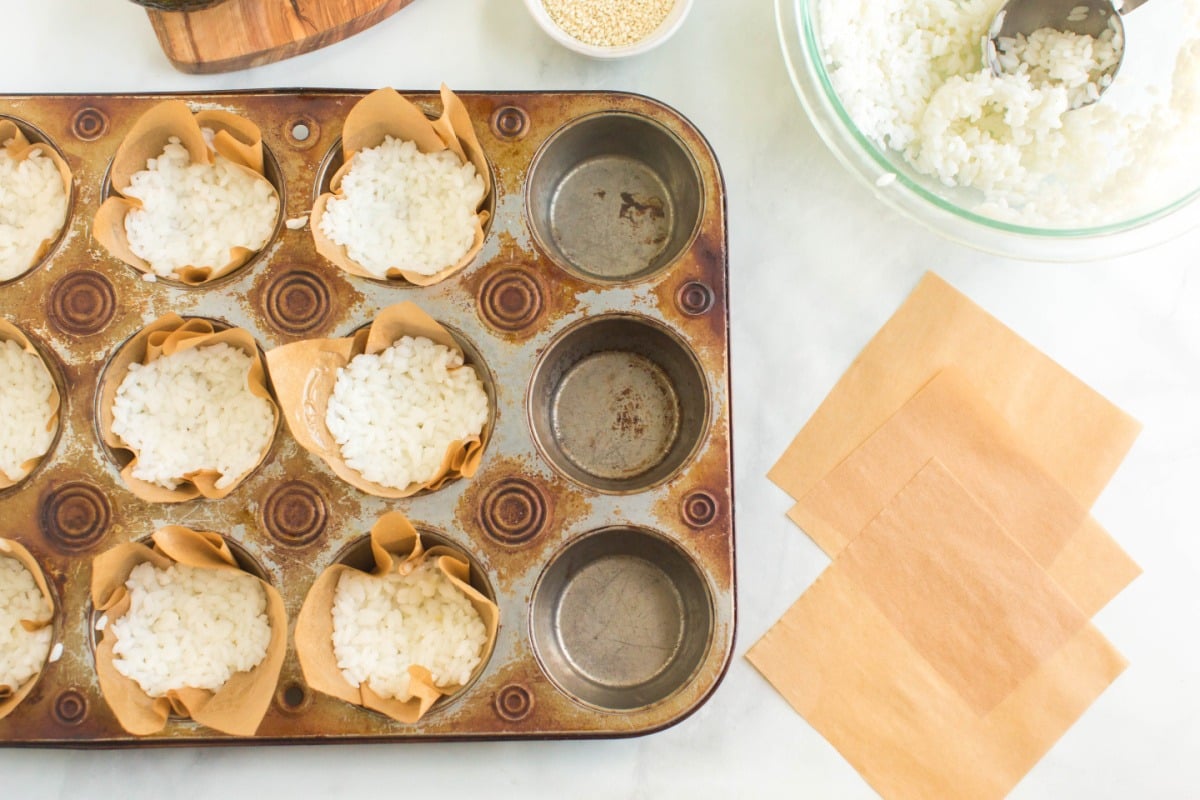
601	519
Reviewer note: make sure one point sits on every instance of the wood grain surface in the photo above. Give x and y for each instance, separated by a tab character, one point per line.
239	34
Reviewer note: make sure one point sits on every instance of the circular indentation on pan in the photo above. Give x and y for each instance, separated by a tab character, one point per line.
510	123
81	303
74	516
333	161
37	136
511	299
89	124
621	619
301	132
513	702
274	175
618	403
614	197
119	456
297	302
513	511
70	707
293	698
699	509
694	298
295	513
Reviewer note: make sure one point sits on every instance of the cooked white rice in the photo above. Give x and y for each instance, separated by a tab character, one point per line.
194	214
33	208
912	77
406	209
193	411
396	413
384	625
25	388
189	627
1080	64
22	652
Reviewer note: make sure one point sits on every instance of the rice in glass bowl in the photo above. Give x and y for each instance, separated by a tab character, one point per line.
899	91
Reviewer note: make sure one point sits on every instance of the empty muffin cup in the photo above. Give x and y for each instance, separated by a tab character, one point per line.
614	197
618	404
621	619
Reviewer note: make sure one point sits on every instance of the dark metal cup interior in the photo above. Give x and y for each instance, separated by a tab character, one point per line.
618	404
614	197
621	619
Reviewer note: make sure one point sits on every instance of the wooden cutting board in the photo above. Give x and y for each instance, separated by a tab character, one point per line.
238	34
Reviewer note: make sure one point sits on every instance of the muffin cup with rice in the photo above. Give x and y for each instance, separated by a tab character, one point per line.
18	149
306	373
11	696
234	139
165	337
397	549
382	114
46	435
241	702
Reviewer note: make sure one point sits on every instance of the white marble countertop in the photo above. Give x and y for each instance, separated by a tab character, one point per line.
817	265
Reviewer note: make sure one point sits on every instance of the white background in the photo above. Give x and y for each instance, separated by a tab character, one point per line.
817	265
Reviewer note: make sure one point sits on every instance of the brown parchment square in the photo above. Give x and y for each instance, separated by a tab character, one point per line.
948	421
382	113
11	333
858	679
234	138
165	336
11	696
305	373
18	148
237	707
1078	437
396	547
970	599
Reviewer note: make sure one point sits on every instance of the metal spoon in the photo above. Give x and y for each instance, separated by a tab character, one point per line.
1083	17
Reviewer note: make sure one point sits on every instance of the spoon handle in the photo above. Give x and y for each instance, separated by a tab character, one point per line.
1131	5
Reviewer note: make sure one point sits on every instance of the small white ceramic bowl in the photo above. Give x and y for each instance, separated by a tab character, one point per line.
663	32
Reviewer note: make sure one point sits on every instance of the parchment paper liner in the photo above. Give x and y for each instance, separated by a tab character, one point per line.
385	113
1078	436
9	332
19	149
948	421
237	139
11	697
166	336
236	708
304	374
396	547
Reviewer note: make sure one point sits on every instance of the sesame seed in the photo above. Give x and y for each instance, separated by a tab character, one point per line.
608	23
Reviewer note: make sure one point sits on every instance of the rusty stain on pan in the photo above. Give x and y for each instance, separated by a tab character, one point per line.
599	301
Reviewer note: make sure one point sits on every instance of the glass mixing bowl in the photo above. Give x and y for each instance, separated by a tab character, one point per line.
949	210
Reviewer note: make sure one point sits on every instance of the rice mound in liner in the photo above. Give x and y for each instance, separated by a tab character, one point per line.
397	550
24	433
26	628
239	705
35	193
305	375
376	118
161	138
165	337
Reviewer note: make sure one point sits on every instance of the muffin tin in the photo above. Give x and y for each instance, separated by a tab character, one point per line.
601	519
